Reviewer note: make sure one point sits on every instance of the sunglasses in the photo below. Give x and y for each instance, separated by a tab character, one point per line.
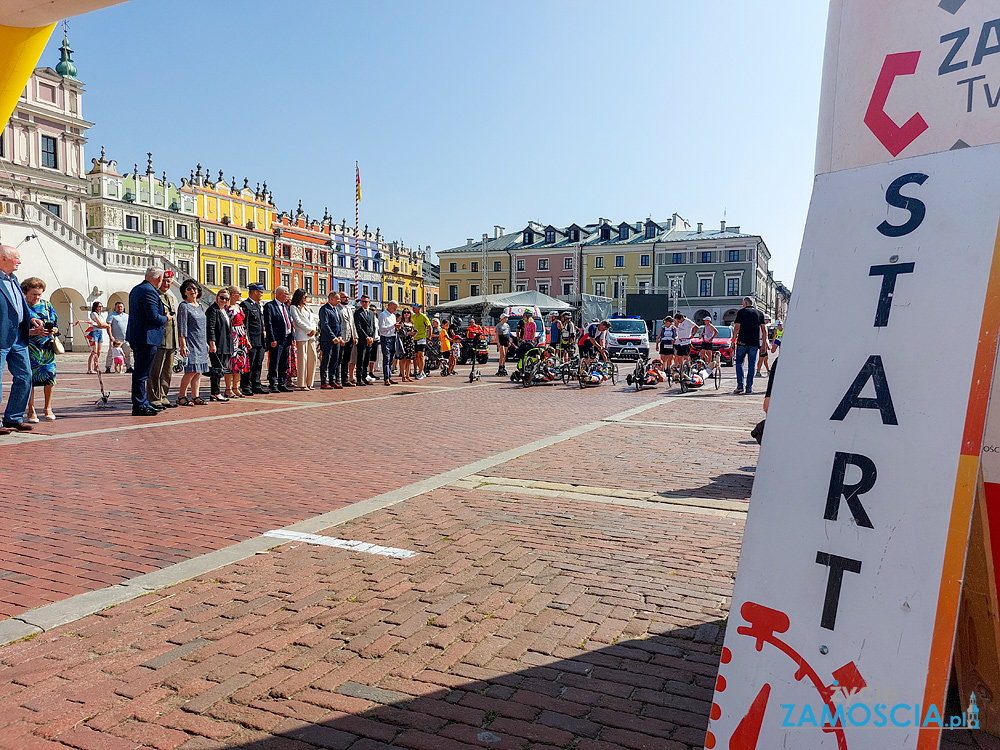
224	299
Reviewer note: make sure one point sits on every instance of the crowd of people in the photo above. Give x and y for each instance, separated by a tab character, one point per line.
346	345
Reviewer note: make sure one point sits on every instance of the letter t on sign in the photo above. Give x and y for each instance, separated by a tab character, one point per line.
888	274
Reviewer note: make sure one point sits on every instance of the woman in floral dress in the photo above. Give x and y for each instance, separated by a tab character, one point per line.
241	342
40	346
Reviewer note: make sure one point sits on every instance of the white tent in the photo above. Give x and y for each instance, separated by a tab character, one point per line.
499	301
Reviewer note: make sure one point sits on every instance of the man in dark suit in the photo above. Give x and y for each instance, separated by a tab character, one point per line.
364	323
278	334
331	339
146	321
253	310
16	320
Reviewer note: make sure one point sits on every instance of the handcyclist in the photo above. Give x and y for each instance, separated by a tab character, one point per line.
708	334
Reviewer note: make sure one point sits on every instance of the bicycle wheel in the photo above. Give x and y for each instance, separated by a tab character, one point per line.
717	375
685	375
527	375
639	376
612	371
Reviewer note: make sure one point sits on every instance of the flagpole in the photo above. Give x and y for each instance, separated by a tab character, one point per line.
357	235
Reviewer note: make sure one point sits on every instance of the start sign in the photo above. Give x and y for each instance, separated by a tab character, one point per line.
843	617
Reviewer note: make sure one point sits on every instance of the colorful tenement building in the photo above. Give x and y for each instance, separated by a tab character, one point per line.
235	234
402	274
303	248
141	217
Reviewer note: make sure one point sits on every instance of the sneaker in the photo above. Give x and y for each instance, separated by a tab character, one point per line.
738	392
107	370
749	392
420	376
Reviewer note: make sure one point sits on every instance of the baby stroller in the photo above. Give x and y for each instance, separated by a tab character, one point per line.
474	348
433	360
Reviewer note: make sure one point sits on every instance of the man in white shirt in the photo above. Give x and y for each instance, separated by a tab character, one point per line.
118	320
387	327
685	331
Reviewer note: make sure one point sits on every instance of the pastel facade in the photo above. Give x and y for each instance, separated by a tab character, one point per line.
236	237
402	274
303	248
432	280
141	216
370	270
42	144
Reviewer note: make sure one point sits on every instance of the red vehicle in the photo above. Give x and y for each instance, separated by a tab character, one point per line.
723	343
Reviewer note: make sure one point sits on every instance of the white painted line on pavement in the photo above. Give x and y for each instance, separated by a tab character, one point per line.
349	544
77	607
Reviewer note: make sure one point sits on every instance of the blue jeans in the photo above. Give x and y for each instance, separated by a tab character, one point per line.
388	355
750	352
20	369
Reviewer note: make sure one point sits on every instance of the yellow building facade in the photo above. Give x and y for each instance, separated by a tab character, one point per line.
236	238
402	274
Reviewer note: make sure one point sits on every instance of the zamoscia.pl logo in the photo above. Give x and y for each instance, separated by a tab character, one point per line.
862	714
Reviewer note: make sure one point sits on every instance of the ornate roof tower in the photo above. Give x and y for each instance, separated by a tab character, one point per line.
65	66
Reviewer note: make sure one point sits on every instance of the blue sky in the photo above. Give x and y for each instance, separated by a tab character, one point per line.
465	114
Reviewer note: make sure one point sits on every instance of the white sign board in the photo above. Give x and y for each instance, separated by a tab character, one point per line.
908	78
849	577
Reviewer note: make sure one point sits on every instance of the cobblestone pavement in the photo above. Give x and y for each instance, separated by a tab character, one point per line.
514	603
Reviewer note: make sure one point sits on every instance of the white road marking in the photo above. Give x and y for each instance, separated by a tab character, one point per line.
349	544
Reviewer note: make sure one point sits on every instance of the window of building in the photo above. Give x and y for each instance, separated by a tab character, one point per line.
341	286
678	258
733	287
497	288
497	265
262	247
619	261
567	264
704	287
453	291
353	292
550	236
599	288
475	267
650	231
543	288
618	289
131	222
342	262
243	275
520	264
543	264
574	235
182	231
364	264
210	269
286	280
376	291
644	261
49	152
474	290
227	275
210	238
309	255
286	251
706	256
598	261
567	288
185	266
605	232
529	238
262	277
643	287
452	267
389	293
241	244
734	256
308	284
522	288
623	233
227	241
435	298
322	288
53	208
158	226
399	294
322	258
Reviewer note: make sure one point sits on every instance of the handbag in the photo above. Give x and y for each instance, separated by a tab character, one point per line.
57	345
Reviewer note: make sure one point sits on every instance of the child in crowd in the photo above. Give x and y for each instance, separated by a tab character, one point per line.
118	355
456	343
446	353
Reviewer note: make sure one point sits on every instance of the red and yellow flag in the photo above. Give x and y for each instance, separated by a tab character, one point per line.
358	172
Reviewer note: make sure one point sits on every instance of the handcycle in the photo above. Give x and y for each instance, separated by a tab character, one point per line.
596	371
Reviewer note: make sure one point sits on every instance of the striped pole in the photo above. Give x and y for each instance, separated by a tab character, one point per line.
357	235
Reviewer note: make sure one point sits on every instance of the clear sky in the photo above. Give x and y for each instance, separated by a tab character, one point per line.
464	114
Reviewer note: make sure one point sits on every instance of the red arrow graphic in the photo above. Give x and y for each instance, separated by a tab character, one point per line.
894	137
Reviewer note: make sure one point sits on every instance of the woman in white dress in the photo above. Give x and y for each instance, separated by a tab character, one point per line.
97	334
305	323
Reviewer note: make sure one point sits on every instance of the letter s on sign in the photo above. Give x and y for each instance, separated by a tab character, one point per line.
894	137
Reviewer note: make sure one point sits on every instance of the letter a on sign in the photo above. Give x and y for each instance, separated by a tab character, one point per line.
874	371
